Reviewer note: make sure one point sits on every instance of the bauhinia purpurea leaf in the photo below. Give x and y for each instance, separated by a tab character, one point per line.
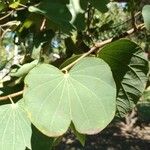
85	96
15	127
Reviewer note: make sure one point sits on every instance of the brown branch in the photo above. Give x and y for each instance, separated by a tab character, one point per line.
11	95
98	45
7	15
43	25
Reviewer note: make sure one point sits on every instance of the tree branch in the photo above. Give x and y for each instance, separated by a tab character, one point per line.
11	95
98	45
7	15
94	48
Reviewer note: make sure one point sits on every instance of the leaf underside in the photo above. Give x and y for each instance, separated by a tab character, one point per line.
86	96
15	127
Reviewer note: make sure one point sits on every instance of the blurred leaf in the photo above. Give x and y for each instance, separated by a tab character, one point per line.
101	5
15	4
130	68
3	57
40	141
36	10
24	70
2	6
56	12
146	16
1	92
78	18
80	137
146	94
144	111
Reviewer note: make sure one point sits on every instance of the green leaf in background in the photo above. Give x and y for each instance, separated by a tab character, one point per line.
2	6
80	137
78	18
24	69
130	68
146	16
36	10
15	127
3	57
86	96
101	5
56	12
40	141
144	111
15	4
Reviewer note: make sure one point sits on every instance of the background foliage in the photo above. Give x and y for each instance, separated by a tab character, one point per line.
39	36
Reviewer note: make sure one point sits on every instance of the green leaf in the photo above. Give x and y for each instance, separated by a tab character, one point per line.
40	141
36	10
144	111
80	137
23	70
86	96
3	57
146	16
15	127
15	4
56	12
101	5
130	67
1	92
78	16
2	6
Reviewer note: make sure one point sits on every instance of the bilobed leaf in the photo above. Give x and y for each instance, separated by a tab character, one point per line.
15	127
146	16
130	67
85	95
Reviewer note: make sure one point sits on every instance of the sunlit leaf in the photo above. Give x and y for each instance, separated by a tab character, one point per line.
15	127
85	95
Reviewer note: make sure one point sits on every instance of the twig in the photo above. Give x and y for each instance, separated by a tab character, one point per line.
43	25
11	95
101	44
7	15
94	48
